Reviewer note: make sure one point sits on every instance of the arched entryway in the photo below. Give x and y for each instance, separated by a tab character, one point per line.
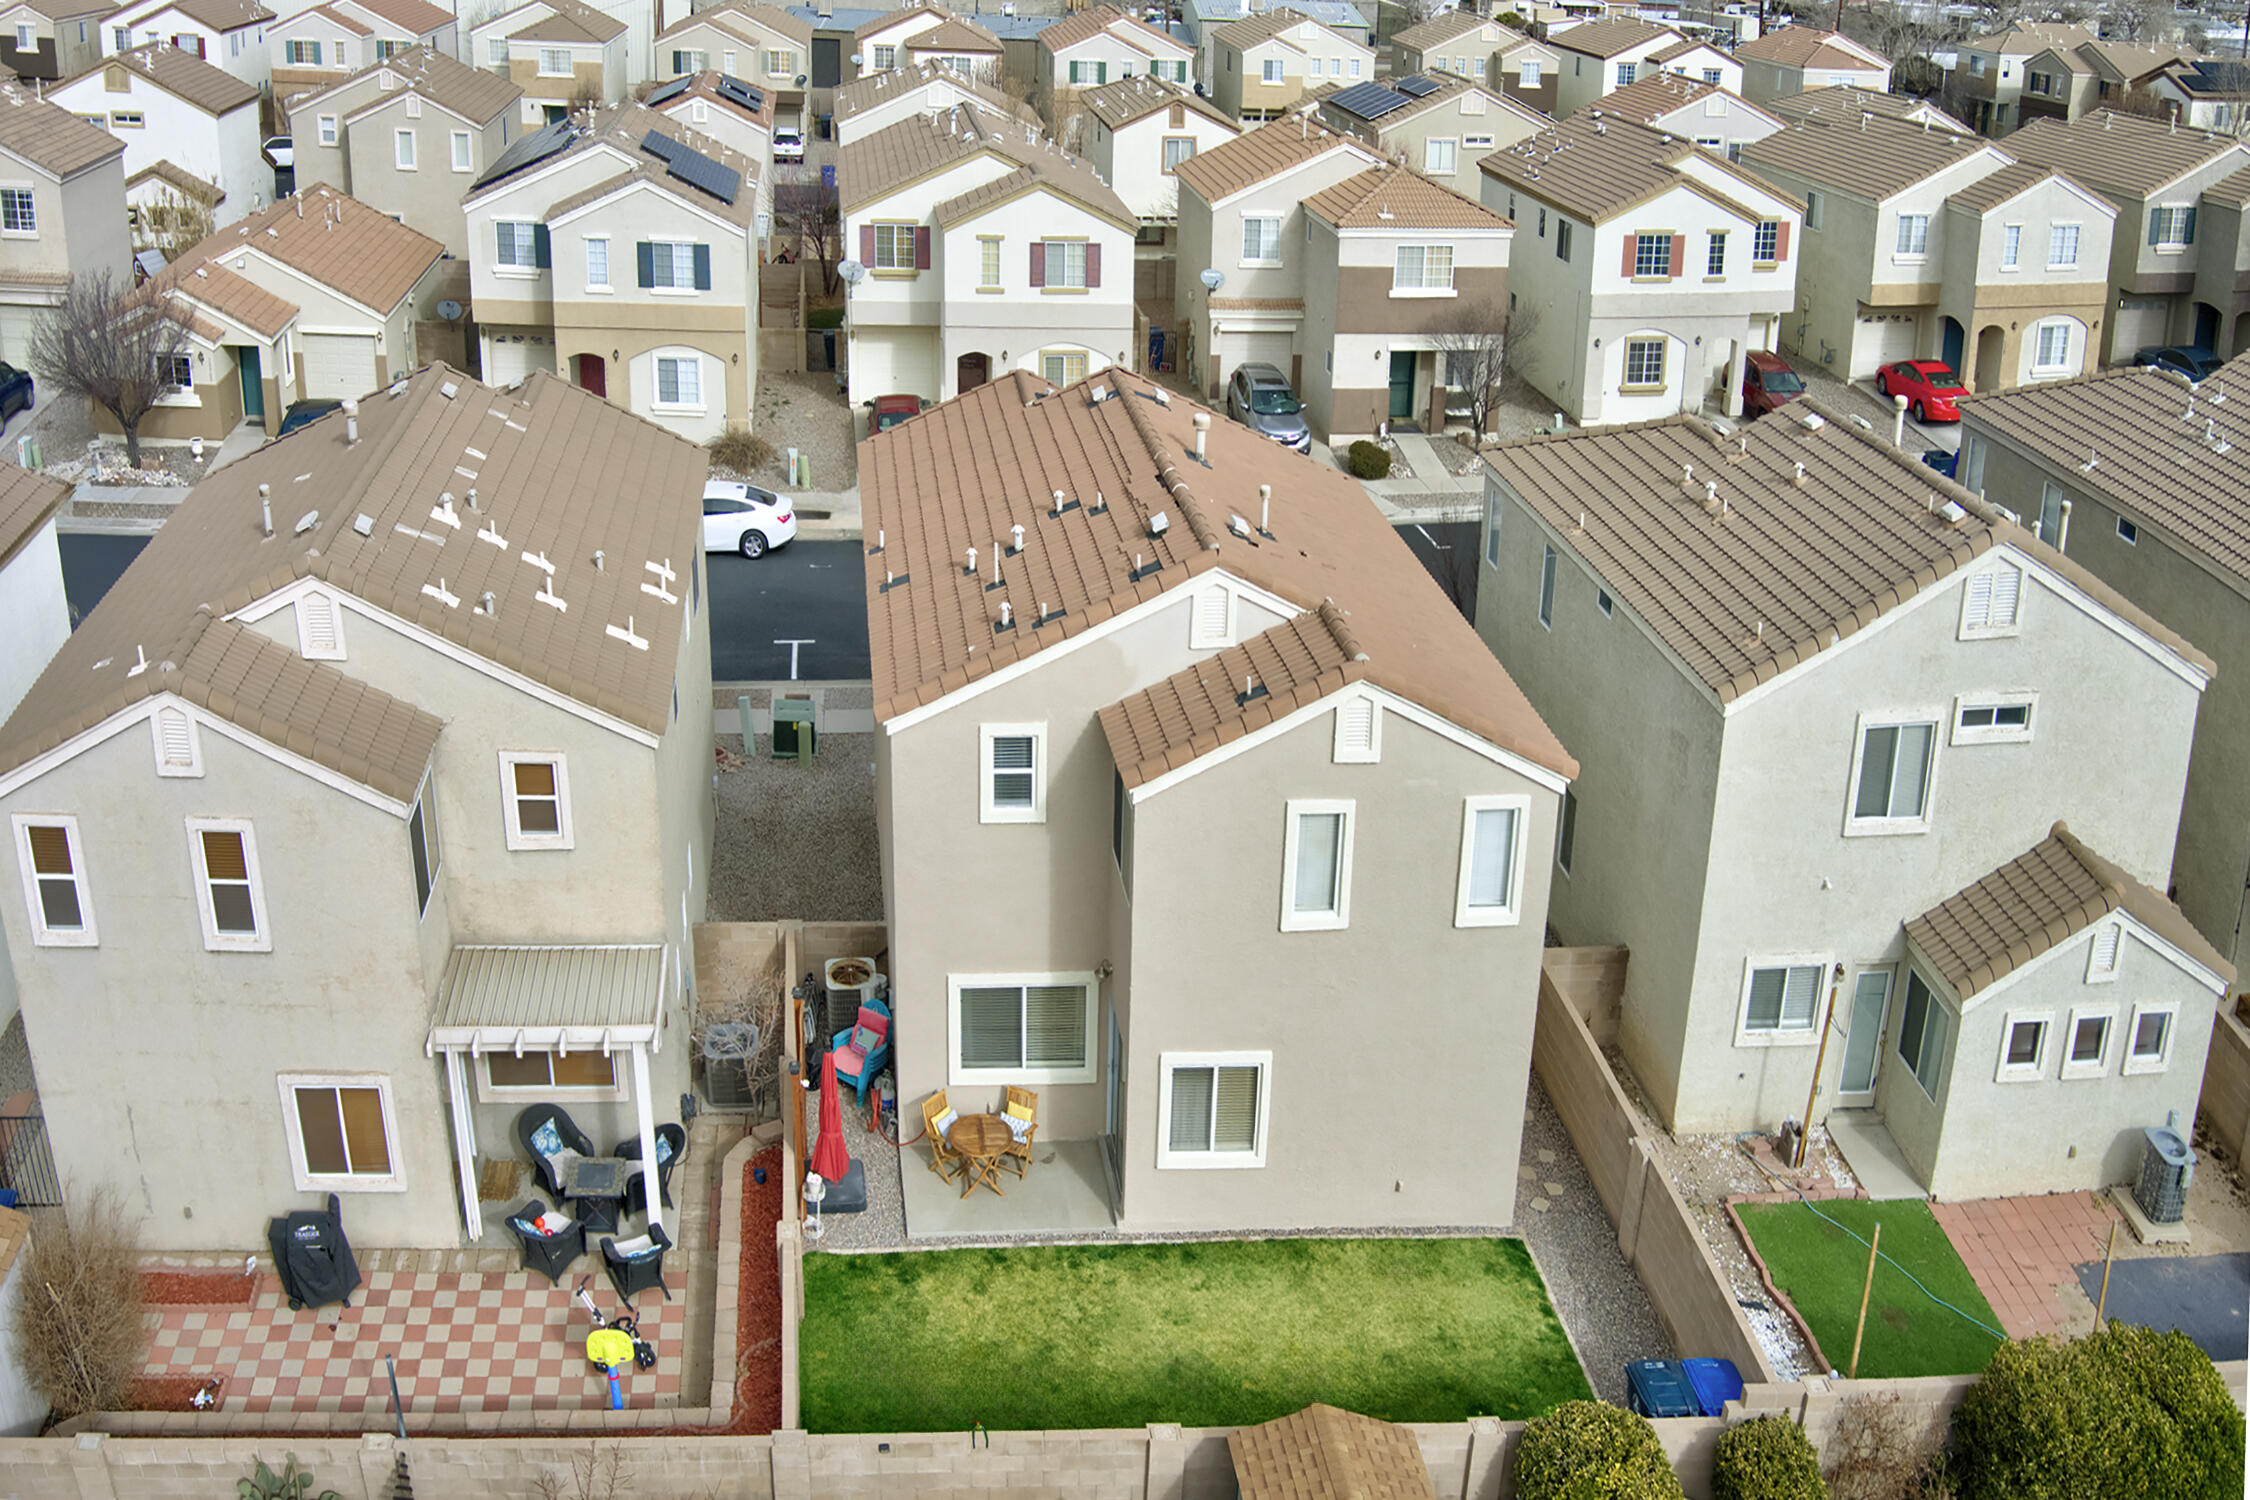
1990	376
1955	342
593	374
971	371
2206	326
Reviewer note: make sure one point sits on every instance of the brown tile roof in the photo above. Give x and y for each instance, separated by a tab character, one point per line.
1805	47
1837	101
1596	167
962	474
1785	570
1255	155
182	74
336	240
27	499
1608	38
2022	38
2012	181
2039	901
473	93
1090	23
888	19
1022	180
911	150
1322	1453
880	88
1873	159
1125	100
1439	30
49	136
623	128
1194	711
569	21
2234	189
704	86
67	10
2150	458
209	194
1647	100
729	18
954	34
330	13
414	17
1253	29
1257	304
213	286
1393	197
1451	87
220	15
559	475
2127	155
1679	48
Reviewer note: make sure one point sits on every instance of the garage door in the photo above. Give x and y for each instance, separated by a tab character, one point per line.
1246	348
338	364
15	332
1882	339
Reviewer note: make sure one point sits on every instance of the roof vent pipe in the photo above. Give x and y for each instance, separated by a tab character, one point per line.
598	560
1007	615
1202	429
351	423
971	569
491	603
1265	509
265	507
1798	479
472	499
1898	422
1015	537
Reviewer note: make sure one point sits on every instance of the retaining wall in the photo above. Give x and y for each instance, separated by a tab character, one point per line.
2225	1106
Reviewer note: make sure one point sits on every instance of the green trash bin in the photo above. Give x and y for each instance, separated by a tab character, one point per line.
794	733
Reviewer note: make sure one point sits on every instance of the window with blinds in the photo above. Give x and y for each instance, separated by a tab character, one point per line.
1012	775
339	1128
177	750
61	912
1490	835
1212	620
226	873
1214	1109
535	795
1783	1000
1991	602
1029	1030
229	897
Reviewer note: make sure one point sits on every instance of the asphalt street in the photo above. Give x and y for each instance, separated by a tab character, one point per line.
91	562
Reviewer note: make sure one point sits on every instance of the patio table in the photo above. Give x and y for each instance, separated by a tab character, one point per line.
597	1185
981	1139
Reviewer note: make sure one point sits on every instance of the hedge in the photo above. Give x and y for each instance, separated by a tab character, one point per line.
1767	1458
1584	1450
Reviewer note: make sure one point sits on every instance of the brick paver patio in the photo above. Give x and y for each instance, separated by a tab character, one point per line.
2023	1251
462	1342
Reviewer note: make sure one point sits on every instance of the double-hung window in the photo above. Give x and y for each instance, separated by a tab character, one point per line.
461	156
179	374
1270	71
2148	1036
780	64
2086	1044
1765	243
326	129
1261	241
1652	255
1440	156
1062	366
2062	247
554	62
894	247
535	799
1214	1109
1913	235
496	52
1625	71
228	892
886	58
2011	247
1891	778
341	1138
597	263
1423	268
1489	891
1715	261
304	54
679	380
515	245
18	213
1012	773
1021	1028
671	265
2171	228
422	844
402	147
1781	1001
1925	1030
988	263
1644	364
687	60
1065	263
1527	73
54	880
1316	882
1177	148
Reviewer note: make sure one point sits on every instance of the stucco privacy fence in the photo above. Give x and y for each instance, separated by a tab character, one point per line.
2225	1106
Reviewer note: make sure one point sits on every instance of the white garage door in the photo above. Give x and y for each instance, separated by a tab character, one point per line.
337	364
1246	348
1882	339
15	332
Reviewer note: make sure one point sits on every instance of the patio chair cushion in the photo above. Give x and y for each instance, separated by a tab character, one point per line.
1023	1112
1018	1126
547	1140
865	1039
943	1124
849	1060
636	1248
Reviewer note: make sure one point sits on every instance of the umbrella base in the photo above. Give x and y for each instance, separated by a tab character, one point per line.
847	1194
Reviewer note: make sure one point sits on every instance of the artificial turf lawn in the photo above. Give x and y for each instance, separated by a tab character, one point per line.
1822	1270
1208	1334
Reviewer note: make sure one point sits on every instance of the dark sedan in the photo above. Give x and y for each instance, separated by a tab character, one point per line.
2181	359
15	392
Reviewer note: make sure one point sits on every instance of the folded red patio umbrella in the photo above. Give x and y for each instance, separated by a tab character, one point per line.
829	1158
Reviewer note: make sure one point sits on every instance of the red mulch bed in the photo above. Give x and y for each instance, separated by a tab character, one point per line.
166	1392
757	1387
196	1289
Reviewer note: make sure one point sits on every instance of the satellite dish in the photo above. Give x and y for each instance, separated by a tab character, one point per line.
449	309
800	80
1213	280
852	272
857	59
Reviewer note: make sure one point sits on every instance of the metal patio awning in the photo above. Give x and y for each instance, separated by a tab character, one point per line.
566	998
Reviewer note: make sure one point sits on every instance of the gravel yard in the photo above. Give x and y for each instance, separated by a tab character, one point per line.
796	840
805	412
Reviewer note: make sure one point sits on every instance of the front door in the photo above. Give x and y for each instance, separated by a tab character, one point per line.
1402	384
969	372
1955	339
253	383
1863	1041
593	374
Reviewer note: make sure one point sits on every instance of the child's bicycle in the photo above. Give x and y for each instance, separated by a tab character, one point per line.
614	1344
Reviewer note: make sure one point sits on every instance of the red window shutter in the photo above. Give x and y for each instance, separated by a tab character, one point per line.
922	248
1038	263
1632	249
1679	254
867	246
1093	264
1781	241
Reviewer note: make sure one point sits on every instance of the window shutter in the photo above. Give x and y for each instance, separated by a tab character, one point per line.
1980	600
1093	264
866	247
922	247
2155	225
1679	255
1234	1116
703	268
1191	1108
2187	235
1038	263
541	254
1781	240
991	1027
2007	585
1355	727
177	737
644	256
1632	248
1054	1025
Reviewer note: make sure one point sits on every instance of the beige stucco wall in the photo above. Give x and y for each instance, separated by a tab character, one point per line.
429	196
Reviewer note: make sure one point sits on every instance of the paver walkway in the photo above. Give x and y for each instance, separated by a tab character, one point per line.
2024	1253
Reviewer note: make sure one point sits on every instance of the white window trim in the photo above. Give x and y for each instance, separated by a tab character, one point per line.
489	1092
608	286
2099	1067
672	267
1293	920
1974	632
1857	827
31	196
957	1074
700	404
1167	1160
2007	263
1903	257
42	935
2094	973
987	812
2163	1060
517	838
464	156
570	62
511	268
349	1182
2034	1070
1825	963
1995	734
194	765
2061	367
406	150
2077	246
215	941
1510	912
1275	260
1343	753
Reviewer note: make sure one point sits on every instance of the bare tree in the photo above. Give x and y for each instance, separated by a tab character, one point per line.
1484	346
112	346
2143	21
172	223
78	1335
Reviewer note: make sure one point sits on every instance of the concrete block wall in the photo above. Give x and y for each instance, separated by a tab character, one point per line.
1592	982
2225	1106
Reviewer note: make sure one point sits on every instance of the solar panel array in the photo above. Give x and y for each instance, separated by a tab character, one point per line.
693	167
669	91
741	93
1369	101
527	150
1414	85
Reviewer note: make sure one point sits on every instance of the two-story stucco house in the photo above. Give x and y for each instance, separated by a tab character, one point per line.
1143	129
1705	113
46	40
1697	59
1438	124
985	249
1471	46
62	211
1796	58
2141	479
1654	267
2206	93
228	34
168	107
323	44
1922	244
737	116
620	251
762	45
2063	82
1197	19
1597	57
1832	709
1261	65
879	101
1242	217
417	632
1098	44
960	46
879	45
408	136
1208	784
563	54
1988	71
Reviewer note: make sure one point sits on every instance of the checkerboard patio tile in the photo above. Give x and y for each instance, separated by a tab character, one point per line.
2024	1254
462	1343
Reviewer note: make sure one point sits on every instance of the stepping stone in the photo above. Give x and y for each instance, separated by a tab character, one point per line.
1546	1157
1554	1189
1538	1205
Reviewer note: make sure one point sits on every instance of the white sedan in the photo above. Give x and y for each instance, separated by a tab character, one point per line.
739	517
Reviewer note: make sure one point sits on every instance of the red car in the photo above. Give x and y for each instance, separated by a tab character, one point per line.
1929	384
886	412
1768	384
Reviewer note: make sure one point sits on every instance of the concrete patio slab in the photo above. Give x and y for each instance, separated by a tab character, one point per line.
1065	1192
1875	1160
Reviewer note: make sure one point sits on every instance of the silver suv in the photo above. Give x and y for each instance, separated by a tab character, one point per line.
1260	399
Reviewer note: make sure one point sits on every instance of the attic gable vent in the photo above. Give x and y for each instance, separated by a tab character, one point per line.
1212	625
178	750
1357	734
2102	962
320	634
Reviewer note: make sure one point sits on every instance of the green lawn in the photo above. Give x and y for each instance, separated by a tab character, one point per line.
1215	1333
1822	1269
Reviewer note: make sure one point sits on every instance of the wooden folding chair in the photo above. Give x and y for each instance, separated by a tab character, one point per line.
944	1160
1018	1153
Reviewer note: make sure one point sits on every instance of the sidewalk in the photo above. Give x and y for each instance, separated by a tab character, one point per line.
1433	494
842	520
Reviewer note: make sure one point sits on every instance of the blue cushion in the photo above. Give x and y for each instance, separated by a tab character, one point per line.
547	1140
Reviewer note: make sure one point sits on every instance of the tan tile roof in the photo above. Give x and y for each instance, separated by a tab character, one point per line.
1679	48
559	474
1804	47
182	74
704	86
27	499
2150	460
2234	189
1125	100
880	88
889	19
2123	154
1131	30
569	21
2012	181
330	13
1785	570
336	240
730	18
67	10
2039	901
1255	155
1322	1453
1195	711
953	34
1597	168
212	285
2022	38
1647	100
962	474
1608	38
622	128
49	136
473	93
1875	159
1257	304
911	150
220	15
1451	87
1439	30
209	194
1253	29
1393	197
1838	101
414	17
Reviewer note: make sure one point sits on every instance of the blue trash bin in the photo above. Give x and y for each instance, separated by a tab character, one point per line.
1659	1388
1715	1382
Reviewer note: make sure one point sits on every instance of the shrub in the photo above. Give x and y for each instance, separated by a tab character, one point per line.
1768	1458
1877	1453
2124	1413
78	1326
1584	1450
738	450
1368	460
